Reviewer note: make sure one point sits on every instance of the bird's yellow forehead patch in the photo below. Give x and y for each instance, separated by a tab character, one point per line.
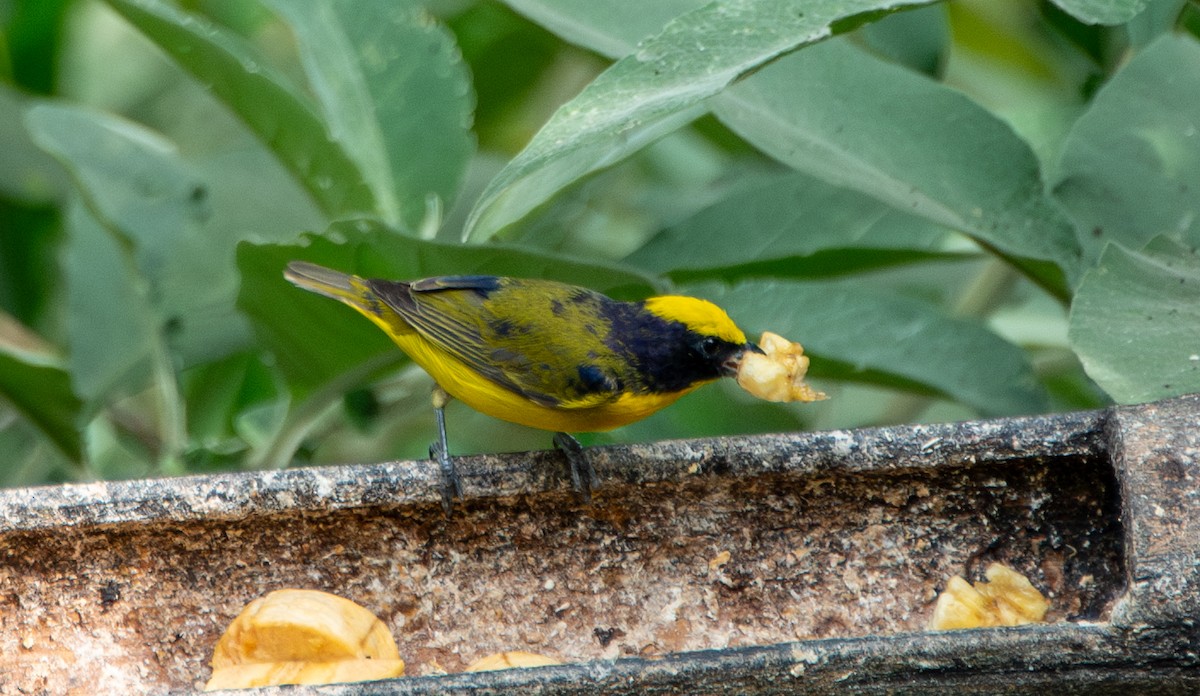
700	316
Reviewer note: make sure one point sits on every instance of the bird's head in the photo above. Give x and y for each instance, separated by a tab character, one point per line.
711	335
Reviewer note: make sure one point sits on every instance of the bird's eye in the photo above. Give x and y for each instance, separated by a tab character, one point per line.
708	347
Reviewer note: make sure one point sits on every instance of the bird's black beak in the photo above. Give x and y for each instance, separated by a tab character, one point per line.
730	367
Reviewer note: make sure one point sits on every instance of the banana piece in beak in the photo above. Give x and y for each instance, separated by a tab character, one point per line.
776	374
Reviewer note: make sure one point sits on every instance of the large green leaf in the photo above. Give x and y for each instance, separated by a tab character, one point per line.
28	459
857	334
220	396
130	186
1130	168
261	97
654	91
1103	11
34	381
789	218
1135	322
919	38
112	330
610	28
838	113
28	259
1159	17
30	39
851	119
27	173
316	340
138	186
394	91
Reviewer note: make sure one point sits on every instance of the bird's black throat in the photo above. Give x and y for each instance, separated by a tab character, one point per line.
667	355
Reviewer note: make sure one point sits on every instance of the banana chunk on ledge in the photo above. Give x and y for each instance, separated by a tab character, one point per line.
511	659
253	675
303	637
1006	599
778	373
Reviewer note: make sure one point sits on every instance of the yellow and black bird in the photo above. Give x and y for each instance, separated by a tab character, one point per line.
541	353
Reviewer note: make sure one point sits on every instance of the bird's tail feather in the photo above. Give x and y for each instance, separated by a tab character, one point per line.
350	289
326	281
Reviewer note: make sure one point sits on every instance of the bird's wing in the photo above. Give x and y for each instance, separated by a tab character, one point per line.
500	329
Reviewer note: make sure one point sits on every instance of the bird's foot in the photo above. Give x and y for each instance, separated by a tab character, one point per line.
451	483
580	466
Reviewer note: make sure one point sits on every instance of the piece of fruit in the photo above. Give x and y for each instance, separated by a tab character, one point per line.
1006	599
960	606
776	374
1016	600
303	637
273	673
511	659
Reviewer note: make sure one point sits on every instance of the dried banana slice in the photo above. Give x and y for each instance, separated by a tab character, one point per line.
510	659
303	637
273	673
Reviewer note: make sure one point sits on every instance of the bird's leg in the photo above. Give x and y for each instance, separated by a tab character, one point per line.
582	473
440	451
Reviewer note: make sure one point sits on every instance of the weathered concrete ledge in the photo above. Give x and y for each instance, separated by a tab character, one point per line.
775	564
236	496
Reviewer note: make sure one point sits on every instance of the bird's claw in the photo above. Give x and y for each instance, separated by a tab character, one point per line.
578	463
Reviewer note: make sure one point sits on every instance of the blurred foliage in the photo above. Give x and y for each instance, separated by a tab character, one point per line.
962	209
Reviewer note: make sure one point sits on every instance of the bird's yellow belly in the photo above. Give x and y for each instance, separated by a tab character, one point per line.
485	396
500	403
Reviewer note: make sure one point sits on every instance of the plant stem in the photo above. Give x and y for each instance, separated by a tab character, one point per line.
309	413
172	423
987	291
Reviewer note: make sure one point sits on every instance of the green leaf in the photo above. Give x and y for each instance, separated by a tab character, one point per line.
1135	322
30	460
1159	17
855	121
260	97
30	38
919	39
27	173
610	28
34	381
654	91
766	221
395	93
315	339
1130	168
111	327
140	188
830	110
896	341
1102	11
29	281
135	264
217	392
